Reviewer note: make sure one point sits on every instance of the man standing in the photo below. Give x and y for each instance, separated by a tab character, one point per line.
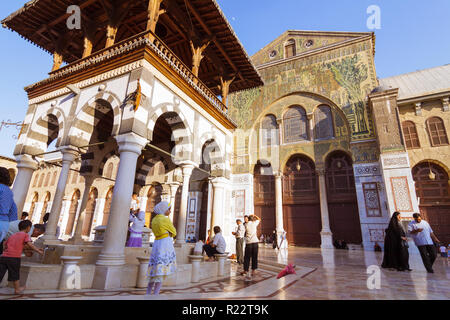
251	247
239	234
423	236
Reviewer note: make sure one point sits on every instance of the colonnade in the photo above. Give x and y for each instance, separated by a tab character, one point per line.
112	255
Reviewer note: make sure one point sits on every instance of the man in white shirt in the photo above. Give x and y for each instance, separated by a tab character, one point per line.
218	245
251	246
423	237
239	234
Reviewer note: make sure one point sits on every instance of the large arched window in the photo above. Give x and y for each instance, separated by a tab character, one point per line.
295	125
436	131
410	134
323	123
269	131
289	48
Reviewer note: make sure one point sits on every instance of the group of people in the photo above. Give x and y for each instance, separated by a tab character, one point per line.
396	255
246	233
15	234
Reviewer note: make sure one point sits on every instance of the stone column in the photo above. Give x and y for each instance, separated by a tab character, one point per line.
112	257
68	156
279	205
25	168
325	234
187	168
218	185
195	261
173	192
77	237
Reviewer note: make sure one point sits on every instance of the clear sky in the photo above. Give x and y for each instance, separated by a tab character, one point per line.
414	35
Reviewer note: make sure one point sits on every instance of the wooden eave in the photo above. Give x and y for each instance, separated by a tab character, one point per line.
41	21
139	53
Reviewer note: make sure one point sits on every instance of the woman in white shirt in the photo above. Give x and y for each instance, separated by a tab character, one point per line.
251	247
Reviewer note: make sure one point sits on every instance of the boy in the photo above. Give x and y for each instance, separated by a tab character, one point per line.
13	248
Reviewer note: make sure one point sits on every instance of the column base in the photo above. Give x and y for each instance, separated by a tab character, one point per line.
107	277
327	240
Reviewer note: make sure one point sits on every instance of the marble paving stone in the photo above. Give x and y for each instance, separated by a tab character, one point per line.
321	275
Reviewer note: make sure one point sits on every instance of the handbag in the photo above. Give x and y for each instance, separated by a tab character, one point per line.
405	244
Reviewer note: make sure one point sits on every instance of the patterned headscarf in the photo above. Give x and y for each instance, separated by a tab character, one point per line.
162	207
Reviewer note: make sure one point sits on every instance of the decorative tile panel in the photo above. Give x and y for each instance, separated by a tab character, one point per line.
400	192
372	199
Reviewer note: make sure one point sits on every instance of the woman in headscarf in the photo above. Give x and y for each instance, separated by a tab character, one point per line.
163	259
135	239
396	253
8	209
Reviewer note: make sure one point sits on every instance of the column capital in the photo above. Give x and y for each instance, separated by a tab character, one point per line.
69	153
26	161
219	182
278	174
320	171
173	187
89	179
187	167
131	142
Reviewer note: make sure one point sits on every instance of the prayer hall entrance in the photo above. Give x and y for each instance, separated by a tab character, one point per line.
342	201
264	197
432	188
301	205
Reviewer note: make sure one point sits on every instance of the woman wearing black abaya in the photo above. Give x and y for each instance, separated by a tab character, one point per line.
396	253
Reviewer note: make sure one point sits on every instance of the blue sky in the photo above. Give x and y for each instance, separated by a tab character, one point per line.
414	35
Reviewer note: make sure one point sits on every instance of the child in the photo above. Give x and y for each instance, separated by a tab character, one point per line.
135	239
13	248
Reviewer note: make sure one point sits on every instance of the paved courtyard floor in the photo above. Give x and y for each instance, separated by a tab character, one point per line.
321	274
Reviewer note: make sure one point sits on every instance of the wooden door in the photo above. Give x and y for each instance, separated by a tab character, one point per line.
434	197
342	201
301	206
264	198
